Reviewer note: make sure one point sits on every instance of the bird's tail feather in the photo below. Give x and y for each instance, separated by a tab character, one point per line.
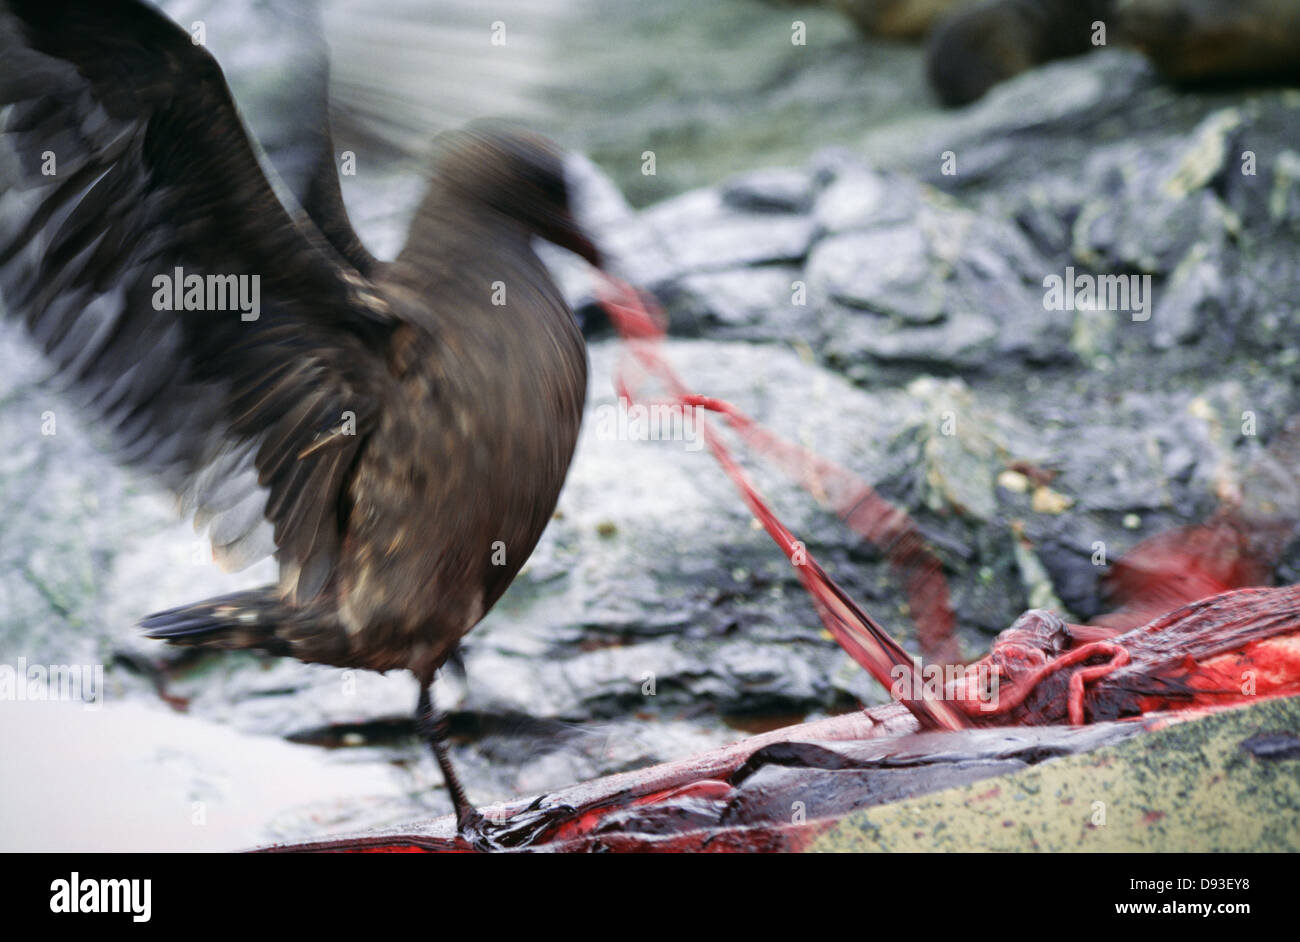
239	620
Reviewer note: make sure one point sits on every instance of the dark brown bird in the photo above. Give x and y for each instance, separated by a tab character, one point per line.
405	427
979	46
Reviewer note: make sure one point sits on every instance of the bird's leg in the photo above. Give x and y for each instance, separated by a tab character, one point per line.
522	829
433	728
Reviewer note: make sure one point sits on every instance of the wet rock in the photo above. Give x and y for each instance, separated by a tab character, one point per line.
736	239
633	249
1191	298
959	449
1192	192
712	583
703	233
1074	576
854	196
772	191
1139	219
942	288
885	270
1284	200
1020	134
833	779
764	303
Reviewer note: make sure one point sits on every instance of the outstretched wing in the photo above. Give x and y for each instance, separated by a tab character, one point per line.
289	116
123	164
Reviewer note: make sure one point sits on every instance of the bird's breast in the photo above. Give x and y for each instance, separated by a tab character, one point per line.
462	470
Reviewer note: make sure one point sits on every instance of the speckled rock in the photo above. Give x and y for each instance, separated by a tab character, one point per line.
1206	785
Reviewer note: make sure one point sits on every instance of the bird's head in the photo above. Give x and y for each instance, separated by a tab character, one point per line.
519	174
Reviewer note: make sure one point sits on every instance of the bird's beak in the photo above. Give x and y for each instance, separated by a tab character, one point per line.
567	234
580	244
566	231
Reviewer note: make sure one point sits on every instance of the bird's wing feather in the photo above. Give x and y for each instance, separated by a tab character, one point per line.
289	116
153	172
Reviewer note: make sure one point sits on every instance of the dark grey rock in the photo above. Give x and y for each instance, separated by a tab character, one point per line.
942	287
858	197
702	233
760	303
779	190
886	270
1191	297
853	340
1144	217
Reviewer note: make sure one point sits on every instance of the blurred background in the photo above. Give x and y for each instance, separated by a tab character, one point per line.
849	210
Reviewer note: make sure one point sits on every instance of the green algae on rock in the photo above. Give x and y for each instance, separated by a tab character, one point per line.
1189	787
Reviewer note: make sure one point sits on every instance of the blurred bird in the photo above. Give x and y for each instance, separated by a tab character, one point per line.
979	46
405	427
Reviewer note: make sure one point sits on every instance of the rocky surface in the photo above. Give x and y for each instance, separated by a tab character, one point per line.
1218	784
859	300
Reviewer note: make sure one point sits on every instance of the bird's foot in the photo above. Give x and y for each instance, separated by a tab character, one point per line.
478	832
520	830
472	828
